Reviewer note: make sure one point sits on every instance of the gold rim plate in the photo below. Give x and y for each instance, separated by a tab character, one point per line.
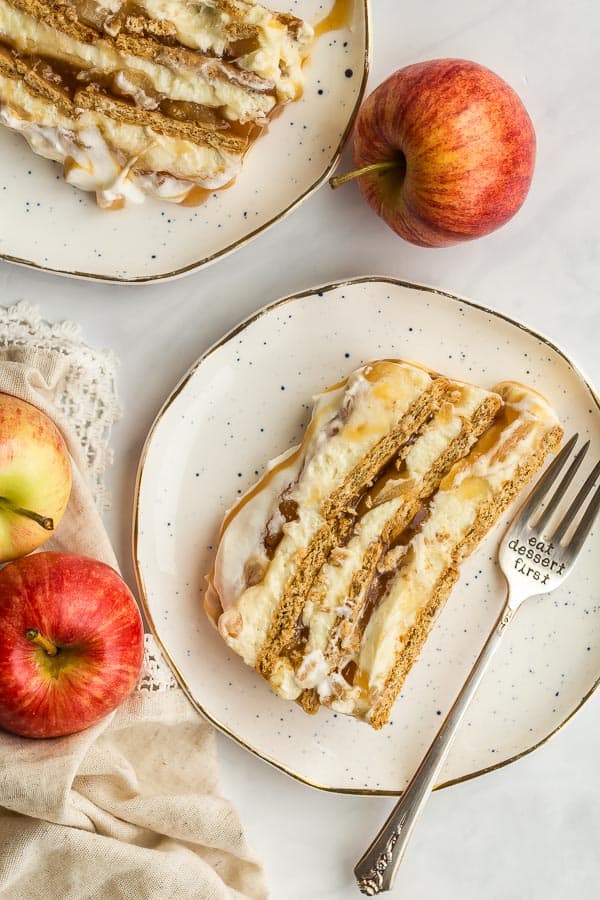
246	238
458	304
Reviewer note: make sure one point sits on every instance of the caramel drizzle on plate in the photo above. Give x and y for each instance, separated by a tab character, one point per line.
339	17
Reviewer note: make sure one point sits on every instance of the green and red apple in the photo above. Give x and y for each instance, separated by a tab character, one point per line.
444	151
35	477
71	643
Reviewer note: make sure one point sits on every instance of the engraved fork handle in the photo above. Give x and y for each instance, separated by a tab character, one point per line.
376	870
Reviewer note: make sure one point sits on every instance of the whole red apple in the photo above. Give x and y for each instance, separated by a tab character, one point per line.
71	643
35	477
450	152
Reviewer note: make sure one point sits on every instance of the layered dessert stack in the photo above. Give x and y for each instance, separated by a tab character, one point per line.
331	570
160	97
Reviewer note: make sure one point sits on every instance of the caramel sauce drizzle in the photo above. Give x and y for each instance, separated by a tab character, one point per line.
295	650
339	17
268	477
288	509
116	204
379	584
197	195
506	416
260	485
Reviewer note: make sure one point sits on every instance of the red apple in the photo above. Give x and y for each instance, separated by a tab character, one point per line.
35	477
449	151
71	643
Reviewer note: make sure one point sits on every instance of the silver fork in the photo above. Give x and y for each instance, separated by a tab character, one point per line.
535	557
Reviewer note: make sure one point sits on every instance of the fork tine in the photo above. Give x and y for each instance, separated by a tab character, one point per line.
561	490
576	505
546	481
585	526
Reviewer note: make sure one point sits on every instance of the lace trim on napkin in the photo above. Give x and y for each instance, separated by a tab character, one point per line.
156	675
88	396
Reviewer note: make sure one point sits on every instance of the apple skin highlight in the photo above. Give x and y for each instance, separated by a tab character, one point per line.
465	148
35	474
83	608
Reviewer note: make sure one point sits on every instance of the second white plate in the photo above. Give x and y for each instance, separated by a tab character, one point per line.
48	224
246	401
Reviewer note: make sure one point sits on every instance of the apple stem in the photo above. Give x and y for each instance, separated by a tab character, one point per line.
33	635
379	167
45	522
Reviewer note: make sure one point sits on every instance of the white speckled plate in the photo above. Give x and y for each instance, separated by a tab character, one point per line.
48	224
248	399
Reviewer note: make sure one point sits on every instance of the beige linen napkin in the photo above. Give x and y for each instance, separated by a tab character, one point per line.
130	807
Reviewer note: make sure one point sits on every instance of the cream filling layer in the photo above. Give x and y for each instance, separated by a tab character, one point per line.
375	399
278	58
453	512
328	603
103	151
186	83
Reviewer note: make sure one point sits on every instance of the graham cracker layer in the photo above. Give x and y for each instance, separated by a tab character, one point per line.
93	99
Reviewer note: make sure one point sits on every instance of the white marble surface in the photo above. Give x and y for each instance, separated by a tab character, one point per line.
531	830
